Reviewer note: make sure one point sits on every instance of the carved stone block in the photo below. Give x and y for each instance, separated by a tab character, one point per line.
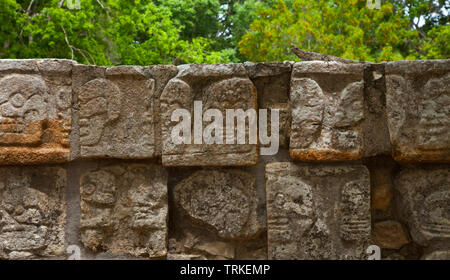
424	202
218	87
35	111
124	210
272	84
418	109
118	111
32	212
317	211
327	104
216	216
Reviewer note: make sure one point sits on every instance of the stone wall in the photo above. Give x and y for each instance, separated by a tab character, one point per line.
88	160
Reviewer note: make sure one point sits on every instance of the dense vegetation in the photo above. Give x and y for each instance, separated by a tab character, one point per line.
144	32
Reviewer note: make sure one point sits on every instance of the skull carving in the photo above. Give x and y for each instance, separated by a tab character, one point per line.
435	115
100	100
23	107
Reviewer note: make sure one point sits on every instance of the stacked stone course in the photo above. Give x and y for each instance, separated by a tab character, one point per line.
87	159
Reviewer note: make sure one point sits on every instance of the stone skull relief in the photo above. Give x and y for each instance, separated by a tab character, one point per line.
124	210
35	113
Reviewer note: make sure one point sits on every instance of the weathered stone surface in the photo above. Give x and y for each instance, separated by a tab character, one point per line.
375	128
218	87
35	111
32	212
272	84
124	210
117	110
381	170
216	216
225	201
423	199
390	235
327	105
317	211
418	102
437	255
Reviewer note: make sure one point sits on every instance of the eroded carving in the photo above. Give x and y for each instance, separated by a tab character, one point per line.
116	113
418	109
35	113
219	87
124	210
217	216
317	212
424	202
32	212
327	113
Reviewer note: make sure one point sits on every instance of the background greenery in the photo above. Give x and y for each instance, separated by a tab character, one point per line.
144	32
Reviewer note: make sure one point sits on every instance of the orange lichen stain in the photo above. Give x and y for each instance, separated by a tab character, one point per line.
325	155
44	141
435	156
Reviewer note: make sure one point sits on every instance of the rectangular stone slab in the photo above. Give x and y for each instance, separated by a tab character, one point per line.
32	212
327	107
215	215
418	110
423	200
317	211
218	87
35	111
124	209
116	111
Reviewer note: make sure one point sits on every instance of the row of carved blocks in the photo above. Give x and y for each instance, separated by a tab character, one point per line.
55	111
310	211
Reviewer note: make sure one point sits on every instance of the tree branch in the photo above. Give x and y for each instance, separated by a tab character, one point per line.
309	56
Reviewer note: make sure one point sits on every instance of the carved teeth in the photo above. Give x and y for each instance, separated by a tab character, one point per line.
10	125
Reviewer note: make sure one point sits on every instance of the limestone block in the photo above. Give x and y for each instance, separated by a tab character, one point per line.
423	199
272	84
216	216
327	104
35	111
32	212
390	235
124	210
219	87
375	125
317	211
418	109
118	110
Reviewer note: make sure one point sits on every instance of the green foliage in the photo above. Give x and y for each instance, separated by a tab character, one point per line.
347	28
145	32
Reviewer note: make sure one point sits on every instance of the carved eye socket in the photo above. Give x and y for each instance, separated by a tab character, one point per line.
31	115
18	100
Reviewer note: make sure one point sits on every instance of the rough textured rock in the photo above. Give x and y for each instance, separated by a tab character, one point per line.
124	210
327	104
390	235
382	187
35	111
117	110
32	212
272	84
317	211
418	102
423	196
437	255
217	87
216	216
375	128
